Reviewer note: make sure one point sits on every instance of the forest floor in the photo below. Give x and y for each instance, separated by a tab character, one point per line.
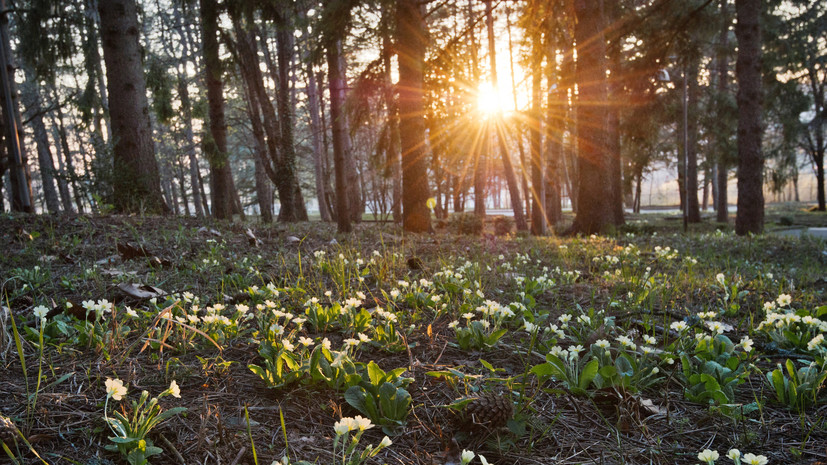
641	347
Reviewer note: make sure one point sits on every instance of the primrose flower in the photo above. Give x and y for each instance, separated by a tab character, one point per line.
386	441
362	423
363	337
453	324
40	311
483	460
342	426
722	280
115	388
734	454
649	339
783	300
679	325
815	342
288	346
132	313
468	315
753	459
746	344
326	343
174	390
350	342
305	341
708	456
769	306
466	457
529	326
602	343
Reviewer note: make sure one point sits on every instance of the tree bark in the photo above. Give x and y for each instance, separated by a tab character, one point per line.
45	160
215	141
411	43
722	159
340	134
290	196
593	204
538	210
136	180
694	214
750	216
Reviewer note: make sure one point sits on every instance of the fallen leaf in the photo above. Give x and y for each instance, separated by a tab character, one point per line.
293	239
254	241
205	230
140	291
129	251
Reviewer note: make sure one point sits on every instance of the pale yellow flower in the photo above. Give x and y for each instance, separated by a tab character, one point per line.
115	388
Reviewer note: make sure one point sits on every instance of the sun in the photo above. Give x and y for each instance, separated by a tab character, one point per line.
490	101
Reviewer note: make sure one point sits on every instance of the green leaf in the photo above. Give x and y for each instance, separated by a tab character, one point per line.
588	374
375	374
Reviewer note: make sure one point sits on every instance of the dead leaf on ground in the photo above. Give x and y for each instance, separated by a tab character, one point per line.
254	241
293	240
211	231
140	291
128	251
110	260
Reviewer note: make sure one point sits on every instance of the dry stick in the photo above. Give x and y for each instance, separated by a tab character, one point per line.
174	450
239	455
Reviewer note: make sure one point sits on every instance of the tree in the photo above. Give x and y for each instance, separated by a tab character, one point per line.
593	205
222	189
508	168
411	43
136	182
750	215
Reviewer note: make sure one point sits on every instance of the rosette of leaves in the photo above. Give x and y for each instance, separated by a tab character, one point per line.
713	372
799	388
382	397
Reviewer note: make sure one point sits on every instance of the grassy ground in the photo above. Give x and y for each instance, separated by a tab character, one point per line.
461	317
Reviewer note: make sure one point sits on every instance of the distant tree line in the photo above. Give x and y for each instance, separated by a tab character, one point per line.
221	107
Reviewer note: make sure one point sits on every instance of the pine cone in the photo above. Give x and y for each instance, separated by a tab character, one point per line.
490	411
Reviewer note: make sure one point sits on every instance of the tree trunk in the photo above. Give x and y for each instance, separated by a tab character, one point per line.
215	141
21	181
313	102
593	205
290	197
411	45
136	182
721	135
694	214
41	137
508	168
186	110
750	216
340	133
477	154
616	98
538	210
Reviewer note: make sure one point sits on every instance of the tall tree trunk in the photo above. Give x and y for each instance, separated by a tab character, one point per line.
186	109
340	134
477	153
215	141
63	175
508	168
290	196
694	214
71	174
411	45
750	216
518	125
392	154
136	181
616	99
593	209
21	181
44	151
313	103
538	210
